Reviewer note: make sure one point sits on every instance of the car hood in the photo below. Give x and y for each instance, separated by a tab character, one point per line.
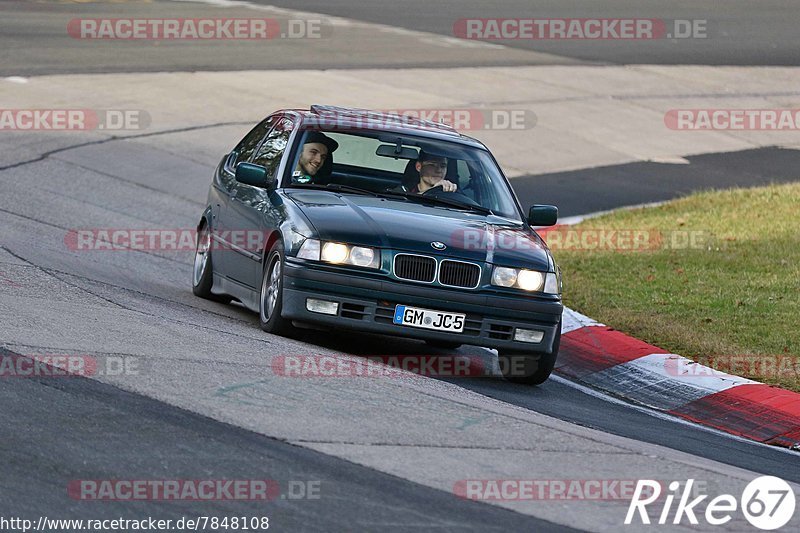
412	227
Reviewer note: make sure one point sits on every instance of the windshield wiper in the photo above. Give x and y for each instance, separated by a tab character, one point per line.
382	194
449	203
348	188
397	194
335	187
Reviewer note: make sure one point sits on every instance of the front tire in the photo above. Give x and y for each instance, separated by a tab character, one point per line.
529	369
270	300
203	269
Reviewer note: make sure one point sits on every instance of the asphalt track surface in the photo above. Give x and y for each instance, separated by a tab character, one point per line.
738	32
36	41
124	436
55	430
610	187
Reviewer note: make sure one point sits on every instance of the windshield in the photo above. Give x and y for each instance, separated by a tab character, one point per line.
449	175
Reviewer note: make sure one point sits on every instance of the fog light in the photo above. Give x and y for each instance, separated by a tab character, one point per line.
528	335
322	306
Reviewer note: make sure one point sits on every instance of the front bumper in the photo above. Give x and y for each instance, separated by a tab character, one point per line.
368	305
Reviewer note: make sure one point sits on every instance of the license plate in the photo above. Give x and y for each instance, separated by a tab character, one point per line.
428	319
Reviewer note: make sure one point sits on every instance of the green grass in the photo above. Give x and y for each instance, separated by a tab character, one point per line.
735	294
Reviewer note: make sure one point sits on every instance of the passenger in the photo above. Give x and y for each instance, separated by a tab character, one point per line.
431	169
316	151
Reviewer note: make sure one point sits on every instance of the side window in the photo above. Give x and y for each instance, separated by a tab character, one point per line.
249	144
463	169
475	186
271	150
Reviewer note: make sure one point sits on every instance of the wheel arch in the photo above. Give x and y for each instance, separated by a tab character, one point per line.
273	237
205	219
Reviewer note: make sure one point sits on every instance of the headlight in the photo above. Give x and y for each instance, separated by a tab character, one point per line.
309	250
362	256
520	278
334	252
552	283
294	240
530	280
505	277
340	254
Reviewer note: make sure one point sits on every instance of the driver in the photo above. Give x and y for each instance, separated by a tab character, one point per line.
432	169
316	150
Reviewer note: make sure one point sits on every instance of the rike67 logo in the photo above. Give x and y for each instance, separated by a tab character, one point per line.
767	502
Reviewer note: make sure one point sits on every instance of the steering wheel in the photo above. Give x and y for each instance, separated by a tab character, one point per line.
458	196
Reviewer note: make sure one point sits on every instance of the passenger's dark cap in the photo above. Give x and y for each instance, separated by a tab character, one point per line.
317	137
426	156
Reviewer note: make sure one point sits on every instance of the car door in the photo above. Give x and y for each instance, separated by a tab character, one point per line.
226	187
251	214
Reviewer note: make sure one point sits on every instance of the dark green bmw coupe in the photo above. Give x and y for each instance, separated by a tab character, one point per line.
376	222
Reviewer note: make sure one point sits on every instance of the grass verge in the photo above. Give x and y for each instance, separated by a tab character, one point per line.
714	277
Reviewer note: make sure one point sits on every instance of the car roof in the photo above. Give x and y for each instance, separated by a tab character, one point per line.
333	118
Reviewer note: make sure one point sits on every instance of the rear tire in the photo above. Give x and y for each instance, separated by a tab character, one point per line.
270	299
203	269
529	369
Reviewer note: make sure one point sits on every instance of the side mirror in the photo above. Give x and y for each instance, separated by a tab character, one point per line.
542	215
254	175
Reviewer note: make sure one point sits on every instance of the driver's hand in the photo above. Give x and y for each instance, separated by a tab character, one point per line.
448	186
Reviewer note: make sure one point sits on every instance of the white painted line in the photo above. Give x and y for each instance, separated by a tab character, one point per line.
656	380
569	221
572	320
683	370
16	79
669	160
